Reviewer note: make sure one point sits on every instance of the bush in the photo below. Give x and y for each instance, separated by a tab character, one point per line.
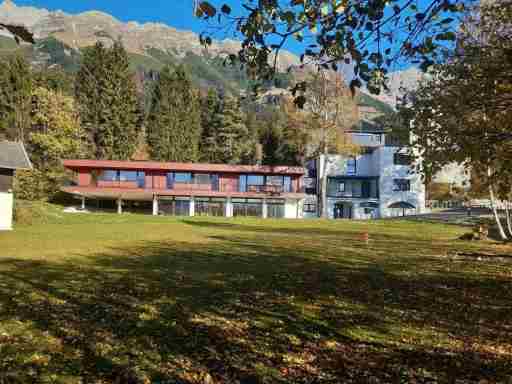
34	212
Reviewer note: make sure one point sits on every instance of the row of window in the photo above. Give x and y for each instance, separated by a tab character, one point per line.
247	183
353	188
262	183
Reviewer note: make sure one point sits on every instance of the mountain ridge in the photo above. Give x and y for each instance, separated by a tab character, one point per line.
62	36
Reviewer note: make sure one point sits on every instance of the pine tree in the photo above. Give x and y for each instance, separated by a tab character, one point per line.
109	110
15	95
174	121
234	142
211	109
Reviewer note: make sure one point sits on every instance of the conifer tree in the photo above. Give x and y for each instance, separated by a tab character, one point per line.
107	98
235	143
174	121
211	109
15	96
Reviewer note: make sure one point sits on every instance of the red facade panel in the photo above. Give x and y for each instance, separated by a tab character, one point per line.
155	181
84	177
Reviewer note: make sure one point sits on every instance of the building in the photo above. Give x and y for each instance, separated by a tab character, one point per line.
379	182
190	189
12	157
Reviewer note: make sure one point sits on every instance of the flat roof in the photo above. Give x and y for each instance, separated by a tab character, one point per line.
186	167
13	156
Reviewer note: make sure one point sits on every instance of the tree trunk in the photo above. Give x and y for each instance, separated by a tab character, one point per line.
494	210
323	189
509	223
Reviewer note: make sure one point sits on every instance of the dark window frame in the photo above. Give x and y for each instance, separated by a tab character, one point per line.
401	185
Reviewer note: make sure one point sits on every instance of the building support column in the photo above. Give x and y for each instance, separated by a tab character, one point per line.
155	205
265	209
192	211
83	203
119	206
229	207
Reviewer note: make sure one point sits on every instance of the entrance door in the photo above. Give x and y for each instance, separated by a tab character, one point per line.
342	211
338	211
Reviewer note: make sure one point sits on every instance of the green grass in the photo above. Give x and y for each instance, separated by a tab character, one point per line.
102	298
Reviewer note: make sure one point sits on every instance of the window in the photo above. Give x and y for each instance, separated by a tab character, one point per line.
310	207
247	207
255	180
275	180
242	183
401	159
401	185
341	187
351	166
127	176
182	177
201	178
275	209
109	175
288	184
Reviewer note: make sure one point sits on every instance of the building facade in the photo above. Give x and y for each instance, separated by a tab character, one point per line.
378	182
12	157
189	189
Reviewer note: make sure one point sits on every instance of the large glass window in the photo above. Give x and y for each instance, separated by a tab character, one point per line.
215	182
109	175
127	176
255	180
353	188
401	159
401	185
275	180
351	166
275	209
209	207
182	177
175	206
288	184
202	178
247	207
242	183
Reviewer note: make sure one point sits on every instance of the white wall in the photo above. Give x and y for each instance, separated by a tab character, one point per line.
292	209
6	207
388	172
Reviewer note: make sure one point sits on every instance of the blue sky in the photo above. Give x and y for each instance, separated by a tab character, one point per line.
177	13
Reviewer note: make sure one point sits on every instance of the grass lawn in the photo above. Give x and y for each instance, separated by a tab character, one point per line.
98	298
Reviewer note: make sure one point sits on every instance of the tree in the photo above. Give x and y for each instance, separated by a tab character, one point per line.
370	35
463	113
106	94
332	113
55	135
235	144
174	121
284	135
16	82
211	112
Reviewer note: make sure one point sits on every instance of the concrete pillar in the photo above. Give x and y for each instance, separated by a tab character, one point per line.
265	209
119	206
192	206
229	207
83	203
155	205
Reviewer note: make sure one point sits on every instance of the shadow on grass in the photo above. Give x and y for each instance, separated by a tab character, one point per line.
240	308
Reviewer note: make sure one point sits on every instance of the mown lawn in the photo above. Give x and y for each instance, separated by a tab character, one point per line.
135	299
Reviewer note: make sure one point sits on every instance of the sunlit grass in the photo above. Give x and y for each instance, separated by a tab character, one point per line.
103	298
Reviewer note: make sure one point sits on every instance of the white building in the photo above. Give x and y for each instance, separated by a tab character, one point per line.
379	182
12	157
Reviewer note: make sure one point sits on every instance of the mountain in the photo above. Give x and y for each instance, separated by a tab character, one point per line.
398	81
61	37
